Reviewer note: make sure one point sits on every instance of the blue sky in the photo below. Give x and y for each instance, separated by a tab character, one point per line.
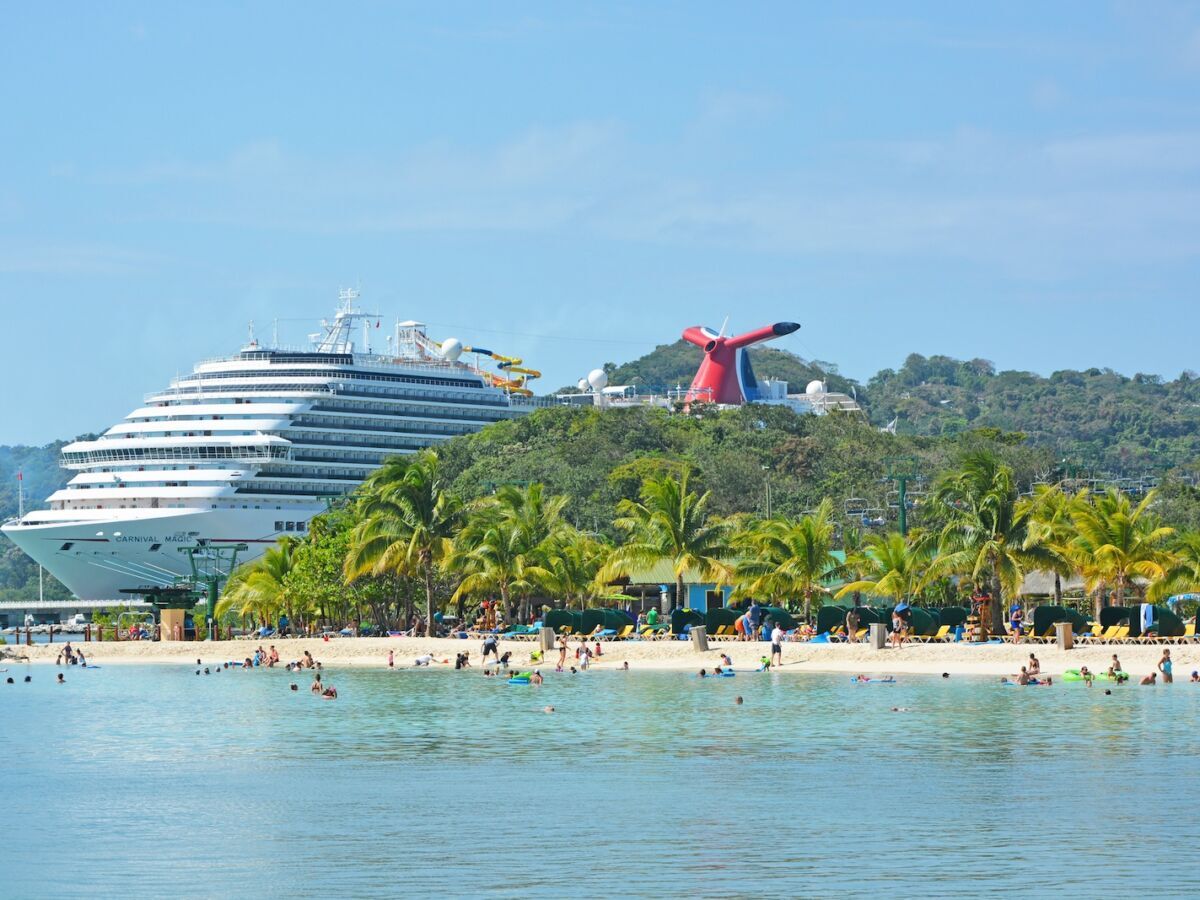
575	183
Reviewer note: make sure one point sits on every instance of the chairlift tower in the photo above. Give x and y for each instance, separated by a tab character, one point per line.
211	567
901	470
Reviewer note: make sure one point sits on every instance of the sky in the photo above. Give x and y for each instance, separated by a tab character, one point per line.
574	183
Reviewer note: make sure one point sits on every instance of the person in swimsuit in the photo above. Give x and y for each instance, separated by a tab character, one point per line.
1164	666
1086	675
726	661
490	647
316	687
1114	670
562	651
1195	676
1152	678
536	677
1035	667
391	659
1016	619
1023	678
777	635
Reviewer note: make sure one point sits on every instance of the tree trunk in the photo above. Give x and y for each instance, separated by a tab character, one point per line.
1057	589
427	571
997	624
680	600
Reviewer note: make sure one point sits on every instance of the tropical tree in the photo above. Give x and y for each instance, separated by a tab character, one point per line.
889	566
1049	532
984	529
783	558
259	590
670	523
505	547
407	519
1117	542
1183	571
573	559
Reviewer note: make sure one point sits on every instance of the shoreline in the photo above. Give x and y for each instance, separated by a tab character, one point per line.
800	657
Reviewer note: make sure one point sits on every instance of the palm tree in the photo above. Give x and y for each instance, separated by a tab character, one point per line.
1116	542
573	559
671	524
890	566
259	589
1049	531
984	529
505	546
408	518
1183	570
787	558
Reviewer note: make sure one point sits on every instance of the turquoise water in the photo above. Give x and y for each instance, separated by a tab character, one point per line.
152	781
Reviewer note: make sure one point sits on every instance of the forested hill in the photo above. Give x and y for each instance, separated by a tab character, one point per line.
671	365
1096	419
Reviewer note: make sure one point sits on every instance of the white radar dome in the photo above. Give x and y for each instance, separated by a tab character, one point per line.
583	384
598	379
451	349
815	387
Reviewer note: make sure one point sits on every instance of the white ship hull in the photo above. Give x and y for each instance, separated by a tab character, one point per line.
97	558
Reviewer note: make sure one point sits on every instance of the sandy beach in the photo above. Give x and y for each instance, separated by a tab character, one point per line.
957	659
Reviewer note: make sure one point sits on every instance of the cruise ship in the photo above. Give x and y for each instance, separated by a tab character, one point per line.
247	448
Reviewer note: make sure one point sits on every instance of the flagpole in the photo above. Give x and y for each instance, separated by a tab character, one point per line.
20	494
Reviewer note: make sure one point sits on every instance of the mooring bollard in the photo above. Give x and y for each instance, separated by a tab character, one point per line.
699	638
546	638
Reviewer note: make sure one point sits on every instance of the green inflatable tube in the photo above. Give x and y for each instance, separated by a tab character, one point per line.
1073	675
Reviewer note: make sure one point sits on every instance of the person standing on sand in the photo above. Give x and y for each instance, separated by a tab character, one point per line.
391	659
562	652
753	617
852	620
1164	666
777	636
491	648
1016	618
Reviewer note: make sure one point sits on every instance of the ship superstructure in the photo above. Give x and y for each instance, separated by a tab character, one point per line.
249	447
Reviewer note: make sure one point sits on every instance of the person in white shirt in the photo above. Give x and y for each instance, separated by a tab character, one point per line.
423	660
777	636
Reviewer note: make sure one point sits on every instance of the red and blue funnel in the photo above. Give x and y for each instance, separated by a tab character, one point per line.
725	375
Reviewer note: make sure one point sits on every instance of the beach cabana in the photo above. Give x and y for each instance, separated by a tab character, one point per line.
1046	617
563	619
684	618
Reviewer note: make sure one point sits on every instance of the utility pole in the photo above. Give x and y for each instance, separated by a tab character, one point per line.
901	470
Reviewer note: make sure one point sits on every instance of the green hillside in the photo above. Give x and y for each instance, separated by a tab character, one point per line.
1097	419
671	365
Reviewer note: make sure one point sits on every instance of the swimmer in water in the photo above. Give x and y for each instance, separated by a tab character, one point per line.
316	687
703	673
1086	674
626	668
726	661
294	686
536	677
548	709
61	680
737	702
1152	678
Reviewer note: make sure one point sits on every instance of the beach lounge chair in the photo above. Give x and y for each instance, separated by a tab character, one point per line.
942	635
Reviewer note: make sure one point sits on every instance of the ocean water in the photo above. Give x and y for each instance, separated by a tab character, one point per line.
151	781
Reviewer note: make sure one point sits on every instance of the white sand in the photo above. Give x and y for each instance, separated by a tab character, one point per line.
957	659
